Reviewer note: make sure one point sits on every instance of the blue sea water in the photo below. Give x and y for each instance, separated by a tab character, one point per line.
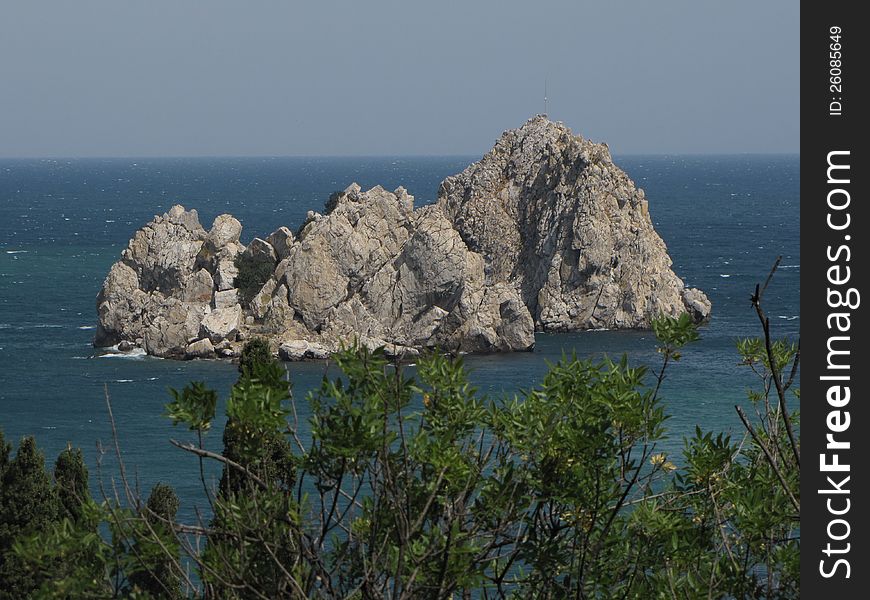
64	222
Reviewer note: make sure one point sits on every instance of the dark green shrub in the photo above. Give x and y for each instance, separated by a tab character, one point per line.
28	505
156	571
253	274
332	201
255	351
71	480
418	487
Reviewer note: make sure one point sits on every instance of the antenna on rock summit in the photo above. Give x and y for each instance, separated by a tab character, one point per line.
545	97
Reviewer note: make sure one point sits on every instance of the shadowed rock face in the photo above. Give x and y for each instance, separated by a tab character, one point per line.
545	232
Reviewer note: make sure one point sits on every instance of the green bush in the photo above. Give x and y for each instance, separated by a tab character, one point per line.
71	481
256	351
253	274
28	505
418	487
156	572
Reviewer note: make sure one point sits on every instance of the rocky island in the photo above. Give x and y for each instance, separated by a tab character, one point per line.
544	233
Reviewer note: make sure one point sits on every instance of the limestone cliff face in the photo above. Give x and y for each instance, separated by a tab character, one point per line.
569	230
544	232
166	282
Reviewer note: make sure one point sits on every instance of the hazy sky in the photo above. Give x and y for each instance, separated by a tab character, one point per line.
256	77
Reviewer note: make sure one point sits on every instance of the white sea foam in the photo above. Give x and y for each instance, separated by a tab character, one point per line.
17	251
724	275
135	353
86	327
789	266
123	381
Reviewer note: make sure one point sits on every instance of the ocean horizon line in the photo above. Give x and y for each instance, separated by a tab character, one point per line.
371	156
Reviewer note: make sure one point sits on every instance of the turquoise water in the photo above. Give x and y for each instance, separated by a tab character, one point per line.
64	222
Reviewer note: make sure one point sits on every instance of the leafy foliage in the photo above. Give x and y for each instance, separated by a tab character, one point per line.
674	333
71	481
70	559
253	274
254	501
418	487
257	351
5	451
28	504
156	571
194	406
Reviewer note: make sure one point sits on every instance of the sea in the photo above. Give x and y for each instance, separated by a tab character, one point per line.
63	222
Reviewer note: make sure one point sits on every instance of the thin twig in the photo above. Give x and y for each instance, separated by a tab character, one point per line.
770	459
774	369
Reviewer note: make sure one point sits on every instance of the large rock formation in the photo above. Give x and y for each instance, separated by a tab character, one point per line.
568	229
545	233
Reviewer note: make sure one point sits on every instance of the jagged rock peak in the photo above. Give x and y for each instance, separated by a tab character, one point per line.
555	217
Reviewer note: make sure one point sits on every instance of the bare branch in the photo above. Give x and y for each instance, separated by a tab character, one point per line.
220	458
774	369
769	457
